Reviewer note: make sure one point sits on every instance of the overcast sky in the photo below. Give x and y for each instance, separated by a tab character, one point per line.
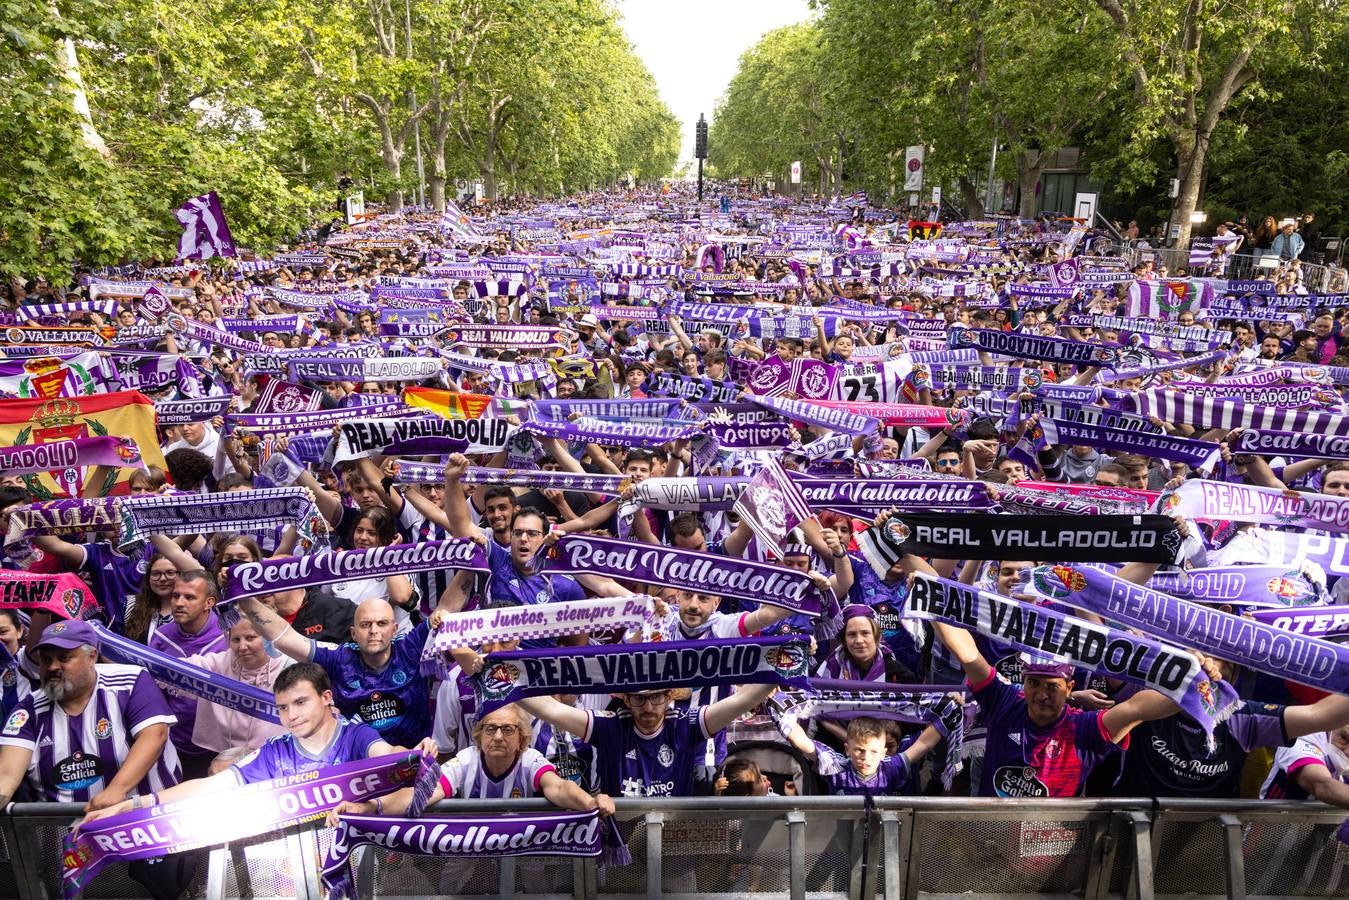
692	47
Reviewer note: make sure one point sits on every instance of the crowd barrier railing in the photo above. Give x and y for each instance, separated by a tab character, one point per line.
1242	266
898	848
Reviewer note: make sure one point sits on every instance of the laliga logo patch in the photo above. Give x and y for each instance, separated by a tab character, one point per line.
897	531
103	729
16	721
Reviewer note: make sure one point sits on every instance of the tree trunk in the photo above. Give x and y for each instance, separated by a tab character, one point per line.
1190	172
969	197
437	185
394	163
1029	165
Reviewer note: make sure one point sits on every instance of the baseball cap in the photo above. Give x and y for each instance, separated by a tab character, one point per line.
67	635
1044	666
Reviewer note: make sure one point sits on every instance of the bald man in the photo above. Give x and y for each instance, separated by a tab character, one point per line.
375	676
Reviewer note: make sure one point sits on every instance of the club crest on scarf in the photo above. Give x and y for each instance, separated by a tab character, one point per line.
896	530
789	659
769	507
498	680
71	601
1032	378
1291	589
1058	581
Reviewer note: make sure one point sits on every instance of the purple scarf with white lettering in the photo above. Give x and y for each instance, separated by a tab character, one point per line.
1247	642
686	569
254	809
1041	630
67	454
508	676
1222	501
1206	412
1313	621
575	834
1293	445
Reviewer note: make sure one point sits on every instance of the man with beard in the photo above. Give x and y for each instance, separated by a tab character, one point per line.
94	734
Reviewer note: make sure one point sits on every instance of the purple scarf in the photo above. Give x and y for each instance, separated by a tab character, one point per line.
184	679
1201	499
686	569
1247	642
254	809
513	675
329	567
1313	621
94	451
1097	648
575	834
1206	412
1294	445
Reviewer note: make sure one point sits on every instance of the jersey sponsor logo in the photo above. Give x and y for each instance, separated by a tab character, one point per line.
1018	781
77	771
103	729
15	722
381	710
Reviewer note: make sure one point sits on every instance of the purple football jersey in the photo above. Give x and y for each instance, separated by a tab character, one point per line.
283	755
75	756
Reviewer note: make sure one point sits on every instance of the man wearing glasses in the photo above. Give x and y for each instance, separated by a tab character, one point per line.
513	584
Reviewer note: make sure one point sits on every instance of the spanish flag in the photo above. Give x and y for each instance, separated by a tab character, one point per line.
120	414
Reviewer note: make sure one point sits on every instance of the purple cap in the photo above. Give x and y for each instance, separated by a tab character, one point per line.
858	611
67	635
1045	667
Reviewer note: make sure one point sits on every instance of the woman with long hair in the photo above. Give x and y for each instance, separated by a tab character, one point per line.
151	605
1264	235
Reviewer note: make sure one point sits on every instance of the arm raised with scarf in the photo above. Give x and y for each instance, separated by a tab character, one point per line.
1118	721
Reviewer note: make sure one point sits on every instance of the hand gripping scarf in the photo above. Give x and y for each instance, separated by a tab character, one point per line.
513	675
1219	500
655	564
1246	642
1171	671
253	810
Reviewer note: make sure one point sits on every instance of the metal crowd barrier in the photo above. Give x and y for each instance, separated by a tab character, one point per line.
1242	266
899	848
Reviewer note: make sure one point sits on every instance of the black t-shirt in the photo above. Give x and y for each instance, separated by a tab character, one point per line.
324	617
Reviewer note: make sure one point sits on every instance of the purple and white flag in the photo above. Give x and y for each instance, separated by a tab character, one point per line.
205	232
772	505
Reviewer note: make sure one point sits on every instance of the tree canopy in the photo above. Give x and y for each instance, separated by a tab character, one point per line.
116	112
1150	90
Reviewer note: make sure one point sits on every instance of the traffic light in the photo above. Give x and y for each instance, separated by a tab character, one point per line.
700	143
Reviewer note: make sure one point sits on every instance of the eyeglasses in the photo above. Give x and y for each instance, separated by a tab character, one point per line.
526	533
948	463
645	700
503	730
164	574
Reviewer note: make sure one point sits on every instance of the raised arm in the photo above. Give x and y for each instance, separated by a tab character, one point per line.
455	502
1144	706
276	629
959	641
724	712
556	713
